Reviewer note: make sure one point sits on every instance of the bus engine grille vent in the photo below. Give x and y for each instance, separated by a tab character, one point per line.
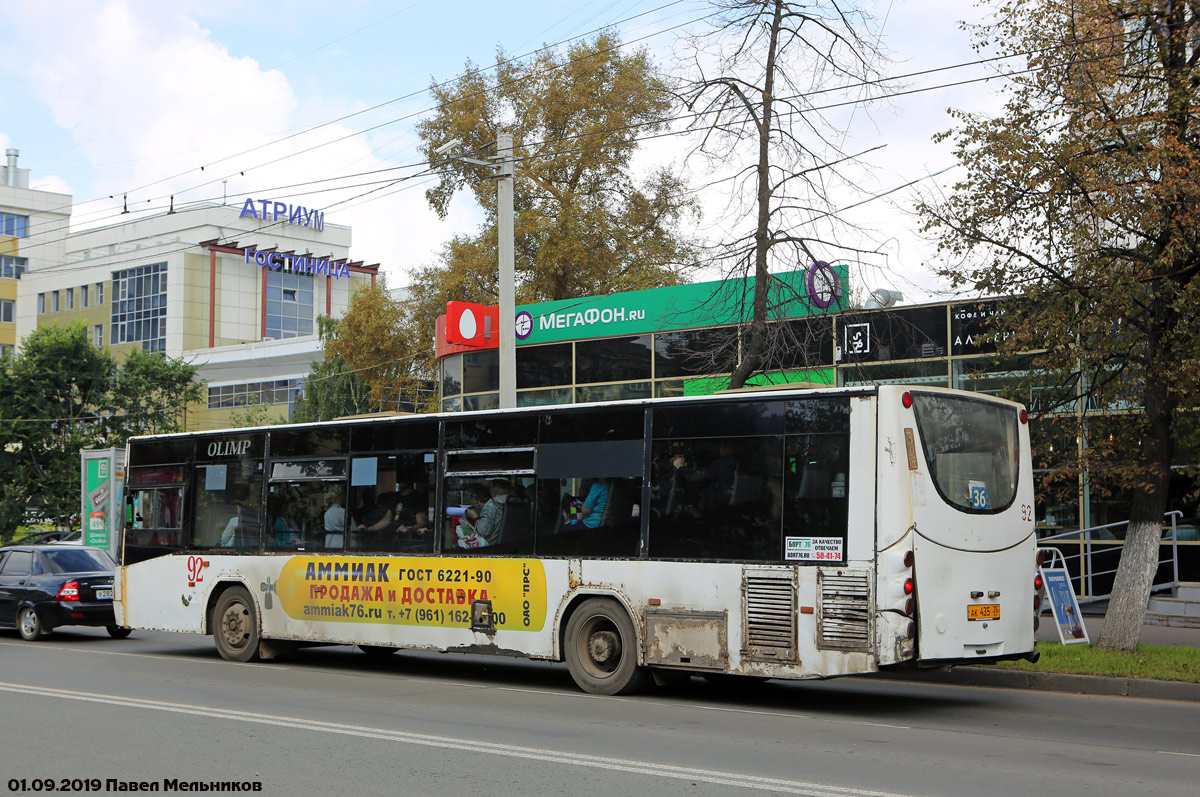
845	609
770	604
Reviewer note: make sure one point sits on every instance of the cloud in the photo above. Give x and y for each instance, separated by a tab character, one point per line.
150	97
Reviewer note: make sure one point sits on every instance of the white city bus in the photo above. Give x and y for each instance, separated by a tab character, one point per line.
784	534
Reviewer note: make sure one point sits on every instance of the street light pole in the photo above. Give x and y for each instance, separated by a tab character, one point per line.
505	242
503	163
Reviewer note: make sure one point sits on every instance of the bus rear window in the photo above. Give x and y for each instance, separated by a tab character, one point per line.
972	448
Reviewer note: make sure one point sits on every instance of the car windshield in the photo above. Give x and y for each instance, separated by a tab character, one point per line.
972	448
79	560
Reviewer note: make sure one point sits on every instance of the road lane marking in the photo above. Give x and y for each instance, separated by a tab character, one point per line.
147	656
467	746
475	685
1172	752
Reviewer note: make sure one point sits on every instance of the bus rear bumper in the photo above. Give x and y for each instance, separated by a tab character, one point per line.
1031	656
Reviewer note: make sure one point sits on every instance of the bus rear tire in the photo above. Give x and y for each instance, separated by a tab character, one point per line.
235	626
601	649
117	632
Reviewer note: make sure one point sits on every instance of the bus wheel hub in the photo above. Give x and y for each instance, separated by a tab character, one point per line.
603	646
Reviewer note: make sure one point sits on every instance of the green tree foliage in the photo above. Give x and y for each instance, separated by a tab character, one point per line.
585	223
369	364
59	395
1081	196
757	78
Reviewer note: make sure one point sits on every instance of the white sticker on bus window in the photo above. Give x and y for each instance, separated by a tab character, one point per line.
979	494
214	477
364	472
813	549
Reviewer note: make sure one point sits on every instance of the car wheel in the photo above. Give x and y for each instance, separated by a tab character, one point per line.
117	632
30	625
601	649
235	626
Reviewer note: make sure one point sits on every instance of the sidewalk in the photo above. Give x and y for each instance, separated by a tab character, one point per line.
1151	634
971	675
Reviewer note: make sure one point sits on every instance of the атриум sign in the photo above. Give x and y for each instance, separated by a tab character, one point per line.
282	211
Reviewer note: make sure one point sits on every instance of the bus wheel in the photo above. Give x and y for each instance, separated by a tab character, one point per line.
235	626
601	649
117	632
378	651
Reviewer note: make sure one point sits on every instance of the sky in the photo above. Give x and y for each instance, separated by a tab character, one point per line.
216	100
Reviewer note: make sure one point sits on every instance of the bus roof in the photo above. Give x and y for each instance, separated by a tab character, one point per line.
757	393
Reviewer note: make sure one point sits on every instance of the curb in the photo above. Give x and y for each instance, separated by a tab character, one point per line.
1053	682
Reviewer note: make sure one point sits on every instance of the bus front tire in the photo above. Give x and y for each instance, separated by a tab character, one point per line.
601	649
235	626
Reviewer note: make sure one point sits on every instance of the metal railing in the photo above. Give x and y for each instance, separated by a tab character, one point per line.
1104	541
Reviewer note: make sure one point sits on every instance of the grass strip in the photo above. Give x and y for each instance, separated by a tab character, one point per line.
1159	662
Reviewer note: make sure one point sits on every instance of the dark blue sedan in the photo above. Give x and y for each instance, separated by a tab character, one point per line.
43	587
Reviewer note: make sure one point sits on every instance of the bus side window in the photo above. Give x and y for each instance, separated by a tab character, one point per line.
817	486
717	498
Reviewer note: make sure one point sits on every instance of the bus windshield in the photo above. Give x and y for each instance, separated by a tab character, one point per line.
972	449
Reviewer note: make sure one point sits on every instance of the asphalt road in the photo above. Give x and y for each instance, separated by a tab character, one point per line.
162	707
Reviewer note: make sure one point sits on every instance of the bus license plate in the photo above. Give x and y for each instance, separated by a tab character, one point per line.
983	611
103	594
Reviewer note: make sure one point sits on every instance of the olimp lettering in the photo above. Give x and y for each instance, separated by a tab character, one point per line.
291	214
228	448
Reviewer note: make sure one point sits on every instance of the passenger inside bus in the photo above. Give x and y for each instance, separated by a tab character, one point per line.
487	522
587	512
376	525
335	522
242	529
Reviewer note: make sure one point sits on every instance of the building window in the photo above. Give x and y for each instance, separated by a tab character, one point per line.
54	302
14	225
98	335
13	267
70	298
139	307
6	350
7	310
289	304
276	391
83	296
99	293
41	303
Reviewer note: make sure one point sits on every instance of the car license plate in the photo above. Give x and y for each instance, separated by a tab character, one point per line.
104	594
983	611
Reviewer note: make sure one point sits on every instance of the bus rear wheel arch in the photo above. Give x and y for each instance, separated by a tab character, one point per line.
601	649
234	625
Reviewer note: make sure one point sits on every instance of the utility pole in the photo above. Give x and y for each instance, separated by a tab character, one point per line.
505	235
503	164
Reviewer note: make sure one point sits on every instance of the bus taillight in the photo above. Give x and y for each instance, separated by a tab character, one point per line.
906	400
1041	557
1023	415
1037	582
909	585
